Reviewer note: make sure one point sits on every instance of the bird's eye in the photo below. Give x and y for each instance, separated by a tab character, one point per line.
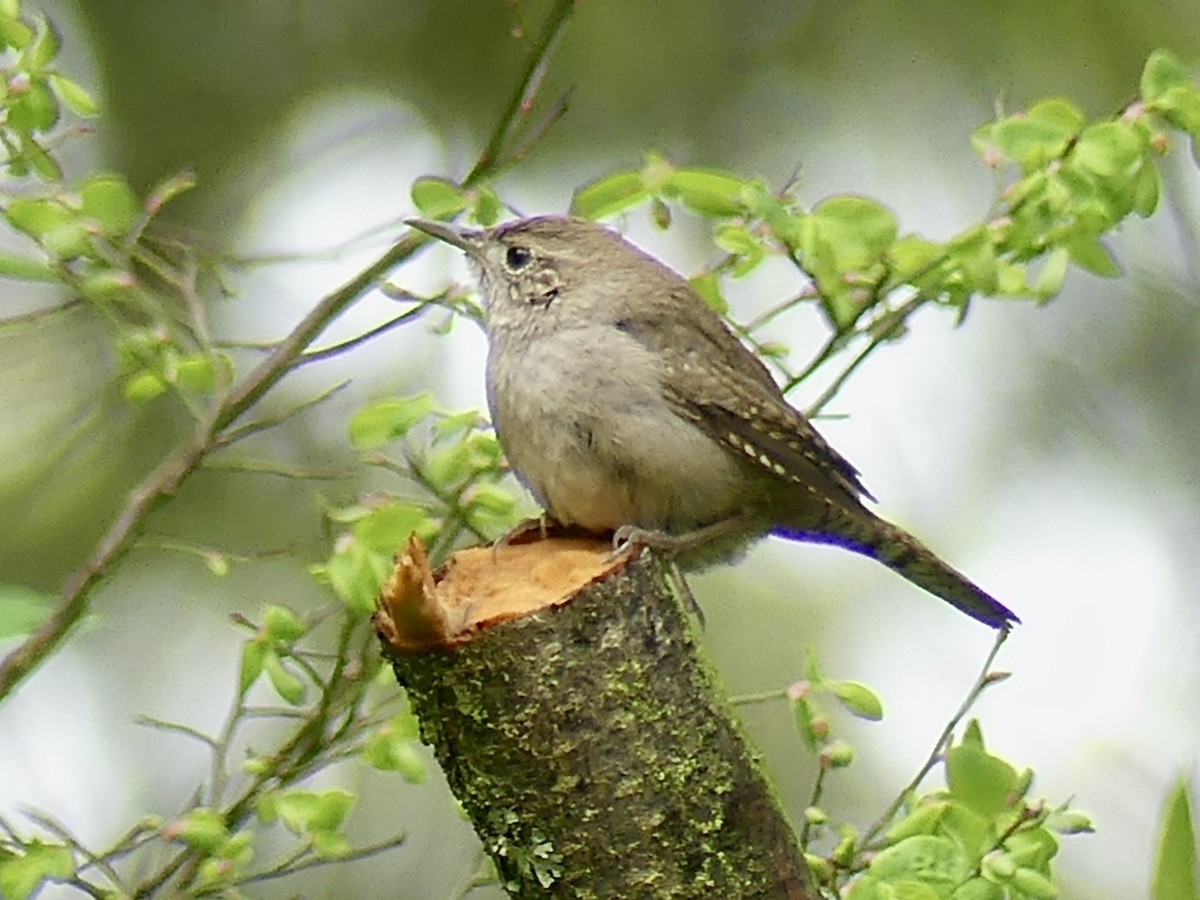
517	258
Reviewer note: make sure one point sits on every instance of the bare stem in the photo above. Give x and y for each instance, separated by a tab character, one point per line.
981	684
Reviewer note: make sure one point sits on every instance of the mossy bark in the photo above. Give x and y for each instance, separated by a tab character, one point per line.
595	755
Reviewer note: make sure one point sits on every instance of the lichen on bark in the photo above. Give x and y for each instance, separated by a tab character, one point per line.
594	752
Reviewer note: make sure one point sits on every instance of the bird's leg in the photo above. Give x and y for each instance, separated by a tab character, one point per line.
629	537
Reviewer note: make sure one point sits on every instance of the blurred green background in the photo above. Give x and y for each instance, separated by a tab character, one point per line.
1051	453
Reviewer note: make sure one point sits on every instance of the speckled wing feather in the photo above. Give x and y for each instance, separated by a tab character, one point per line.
714	381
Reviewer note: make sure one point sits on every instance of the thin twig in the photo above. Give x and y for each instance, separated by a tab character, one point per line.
250	466
38	315
177	728
884	333
64	834
291	866
556	112
982	683
233	435
520	102
814	800
761	697
336	349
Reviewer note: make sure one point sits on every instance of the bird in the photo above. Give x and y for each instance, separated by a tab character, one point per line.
626	404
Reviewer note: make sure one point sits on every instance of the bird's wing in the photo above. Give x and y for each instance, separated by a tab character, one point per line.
713	380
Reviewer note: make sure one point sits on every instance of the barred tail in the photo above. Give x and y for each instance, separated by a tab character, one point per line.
865	533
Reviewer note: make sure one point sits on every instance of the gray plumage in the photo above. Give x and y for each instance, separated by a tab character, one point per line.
624	403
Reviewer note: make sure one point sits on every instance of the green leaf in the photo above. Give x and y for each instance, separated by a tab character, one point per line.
357	574
807	716
34	110
385	421
1012	279
969	830
858	698
14	33
487	207
609	195
36	217
194	372
286	684
925	819
438	197
1110	148
458	423
491	499
283	625
1069	821
1175	873
22	608
106	284
747	247
980	889
1032	848
974	254
859	229
22	875
45	45
1059	113
306	812
911	256
394	749
44	165
981	782
239	848
73	95
1054	273
202	828
388	528
1040	135
998	866
1161	73
710	192
450	465
111	203
1181	107
925	860
329	845
26	269
1034	884
253	653
144	385
1092	255
69	241
1147	190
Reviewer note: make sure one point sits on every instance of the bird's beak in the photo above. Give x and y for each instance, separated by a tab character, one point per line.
464	239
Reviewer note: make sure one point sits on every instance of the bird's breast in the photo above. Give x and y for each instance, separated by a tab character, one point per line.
584	423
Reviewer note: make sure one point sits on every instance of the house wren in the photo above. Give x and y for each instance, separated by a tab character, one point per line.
625	404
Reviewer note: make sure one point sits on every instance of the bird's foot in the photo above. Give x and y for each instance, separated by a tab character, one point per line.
628	538
541	523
